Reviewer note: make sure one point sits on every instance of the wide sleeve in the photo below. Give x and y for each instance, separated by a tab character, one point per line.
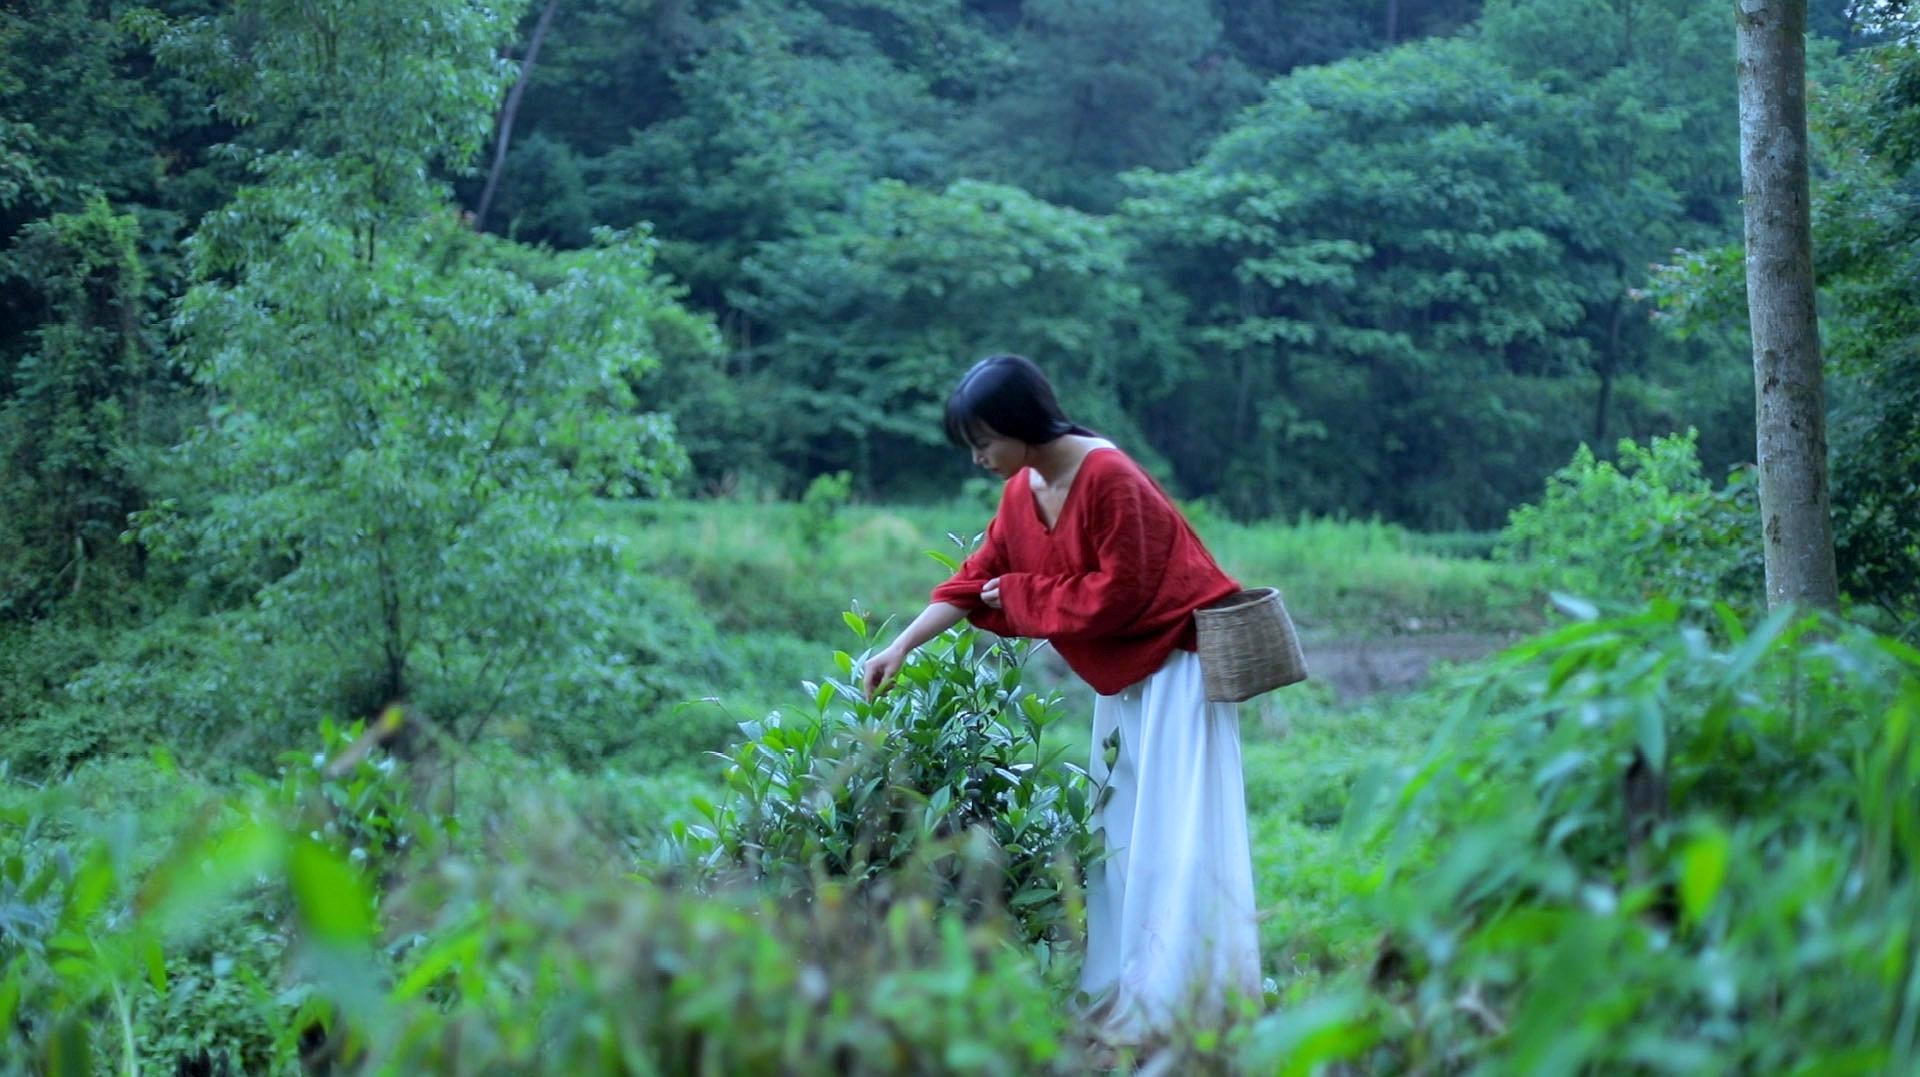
963	589
1132	532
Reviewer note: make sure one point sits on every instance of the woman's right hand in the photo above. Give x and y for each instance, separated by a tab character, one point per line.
882	668
885	665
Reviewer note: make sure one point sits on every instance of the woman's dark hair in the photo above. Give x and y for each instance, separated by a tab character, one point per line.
1008	395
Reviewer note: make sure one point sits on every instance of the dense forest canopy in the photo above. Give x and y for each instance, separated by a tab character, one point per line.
1382	258
1386	258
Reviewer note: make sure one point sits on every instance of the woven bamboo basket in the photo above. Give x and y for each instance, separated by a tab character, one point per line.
1248	646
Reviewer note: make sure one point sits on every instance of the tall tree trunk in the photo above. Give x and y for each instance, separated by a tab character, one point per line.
1393	21
1790	398
512	107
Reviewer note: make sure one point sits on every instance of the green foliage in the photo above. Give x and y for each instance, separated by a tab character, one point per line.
1276	36
1640	132
1370	258
102	164
99	118
66	421
1867	217
377	935
1864	114
752	135
612	977
1097	87
396	441
789	153
819	519
789	107
1759	922
20	177
402	415
946	775
546	196
355	103
88	114
36	660
1648	525
120	922
868	314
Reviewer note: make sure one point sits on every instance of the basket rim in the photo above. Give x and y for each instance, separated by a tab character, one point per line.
1246	596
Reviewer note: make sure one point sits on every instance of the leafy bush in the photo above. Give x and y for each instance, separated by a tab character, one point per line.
1639	849
819	517
1650	525
612	977
325	919
37	658
135	935
947	774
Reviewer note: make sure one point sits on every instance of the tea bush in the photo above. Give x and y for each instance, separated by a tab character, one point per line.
949	773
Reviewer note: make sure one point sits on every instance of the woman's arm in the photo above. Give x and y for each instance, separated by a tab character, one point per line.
883	667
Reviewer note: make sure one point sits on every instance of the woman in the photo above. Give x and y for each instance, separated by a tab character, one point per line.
1087	552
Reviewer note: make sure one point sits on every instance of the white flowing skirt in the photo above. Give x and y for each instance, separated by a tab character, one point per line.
1170	912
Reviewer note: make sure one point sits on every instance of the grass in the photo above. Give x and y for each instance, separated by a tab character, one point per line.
773	580
1363	579
1303	754
754	568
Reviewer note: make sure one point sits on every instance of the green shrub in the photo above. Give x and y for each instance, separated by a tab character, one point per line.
948	774
67	413
819	519
611	977
133	931
42	732
1638	849
324	919
1649	526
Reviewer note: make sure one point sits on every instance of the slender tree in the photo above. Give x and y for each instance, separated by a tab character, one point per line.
507	113
1790	398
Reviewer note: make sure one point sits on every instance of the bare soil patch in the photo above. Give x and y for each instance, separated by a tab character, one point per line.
1363	667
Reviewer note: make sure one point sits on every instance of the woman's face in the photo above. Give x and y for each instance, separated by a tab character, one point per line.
1002	455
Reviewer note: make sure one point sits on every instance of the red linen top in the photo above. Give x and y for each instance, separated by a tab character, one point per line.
1113	585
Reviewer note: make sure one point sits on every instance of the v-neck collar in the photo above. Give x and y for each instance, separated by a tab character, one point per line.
1033	496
